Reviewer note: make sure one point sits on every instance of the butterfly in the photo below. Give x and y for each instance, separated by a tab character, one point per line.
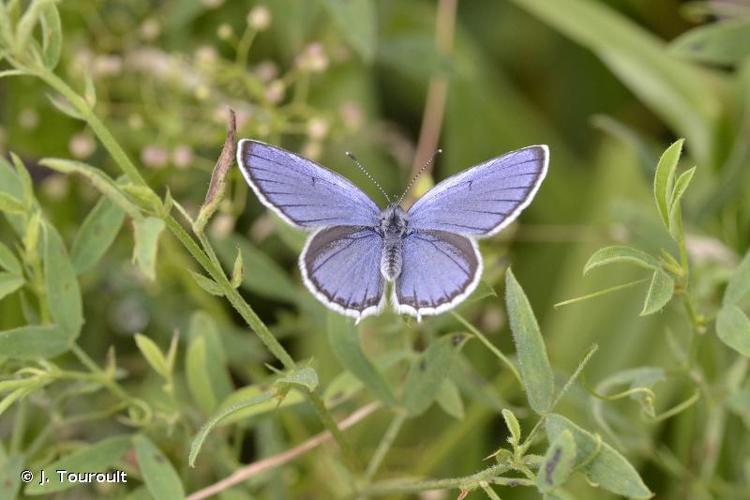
428	255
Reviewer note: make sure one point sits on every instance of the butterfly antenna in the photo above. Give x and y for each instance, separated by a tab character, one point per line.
420	172
367	174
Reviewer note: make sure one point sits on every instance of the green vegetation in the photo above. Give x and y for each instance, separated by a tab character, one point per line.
152	317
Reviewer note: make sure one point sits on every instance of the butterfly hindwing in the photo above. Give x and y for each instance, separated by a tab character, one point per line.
302	192
341	267
440	269
484	199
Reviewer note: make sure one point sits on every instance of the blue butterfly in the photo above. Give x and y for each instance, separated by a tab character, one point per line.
429	254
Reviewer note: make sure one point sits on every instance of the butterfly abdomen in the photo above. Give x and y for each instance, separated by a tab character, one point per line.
391	260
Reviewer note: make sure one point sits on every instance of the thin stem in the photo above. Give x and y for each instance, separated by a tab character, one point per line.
385	444
489	345
489	491
466	482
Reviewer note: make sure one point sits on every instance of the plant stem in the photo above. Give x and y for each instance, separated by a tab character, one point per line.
489	345
390	435
466	482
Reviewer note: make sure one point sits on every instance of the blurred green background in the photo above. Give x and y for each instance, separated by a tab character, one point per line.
606	84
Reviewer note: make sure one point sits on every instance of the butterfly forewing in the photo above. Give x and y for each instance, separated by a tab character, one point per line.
484	199
440	269
341	266
302	192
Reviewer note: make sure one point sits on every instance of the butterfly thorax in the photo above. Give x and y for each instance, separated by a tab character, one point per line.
393	227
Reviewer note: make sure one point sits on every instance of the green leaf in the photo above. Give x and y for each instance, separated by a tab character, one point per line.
34	342
10	477
722	43
680	186
27	185
64	106
739	283
659	293
98	457
245	411
429	371
511	422
9	283
664	179
449	399
11	205
207	284
153	355
620	253
8	260
344	341
306	378
197	443
147	231
602	464
96	234
61	283
89	92
733	328
203	326
483	291
536	371
197	375
160	477
357	21
345	385
52	36
558	464
238	270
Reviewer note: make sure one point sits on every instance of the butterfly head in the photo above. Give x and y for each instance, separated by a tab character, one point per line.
393	221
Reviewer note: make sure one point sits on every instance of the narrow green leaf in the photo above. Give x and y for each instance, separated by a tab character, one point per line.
203	326
511	422
345	385
536	371
64	106
24	177
306	378
98	231
197	375
733	328
680	186
207	284
8	260
9	283
245	411
160	477
153	355
449	399
10	478
659	293
144	196
89	92
558	464
739	284
664	179
34	342
52	36
97	457
429	371
722	43
344	341
483	291
238	270
11	205
357	22
147	233
197	443
620	253
61	283
604	465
